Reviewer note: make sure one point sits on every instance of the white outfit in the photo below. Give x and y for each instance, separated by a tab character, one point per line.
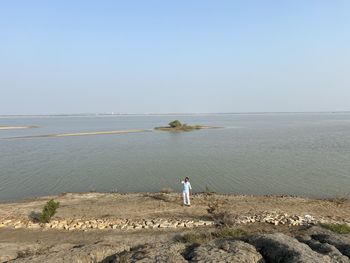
186	192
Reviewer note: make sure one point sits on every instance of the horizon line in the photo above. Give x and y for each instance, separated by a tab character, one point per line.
174	113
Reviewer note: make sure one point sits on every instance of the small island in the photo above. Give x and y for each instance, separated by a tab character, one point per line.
176	125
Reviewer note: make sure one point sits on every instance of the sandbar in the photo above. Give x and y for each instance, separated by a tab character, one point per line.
79	134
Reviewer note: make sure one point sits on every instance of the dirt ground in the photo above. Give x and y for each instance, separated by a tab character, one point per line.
161	205
155	205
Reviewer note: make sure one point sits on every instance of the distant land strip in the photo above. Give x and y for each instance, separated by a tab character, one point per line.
173	114
17	127
78	134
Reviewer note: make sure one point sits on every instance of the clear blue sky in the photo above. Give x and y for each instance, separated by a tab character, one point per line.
174	56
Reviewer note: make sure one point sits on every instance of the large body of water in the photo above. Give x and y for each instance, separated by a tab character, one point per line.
292	154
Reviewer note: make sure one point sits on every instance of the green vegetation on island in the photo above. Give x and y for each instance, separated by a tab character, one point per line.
176	125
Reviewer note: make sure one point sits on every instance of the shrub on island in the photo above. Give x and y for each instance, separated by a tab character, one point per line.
176	125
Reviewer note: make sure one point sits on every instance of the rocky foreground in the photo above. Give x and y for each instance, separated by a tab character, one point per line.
314	245
96	227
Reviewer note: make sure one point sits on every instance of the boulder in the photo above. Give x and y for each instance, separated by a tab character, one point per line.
325	249
227	251
341	242
278	247
76	253
160	253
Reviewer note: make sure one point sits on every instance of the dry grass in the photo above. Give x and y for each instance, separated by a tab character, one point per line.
217	211
227	232
339	200
166	190
338	228
197	238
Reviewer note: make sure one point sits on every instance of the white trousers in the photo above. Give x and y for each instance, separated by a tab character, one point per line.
186	196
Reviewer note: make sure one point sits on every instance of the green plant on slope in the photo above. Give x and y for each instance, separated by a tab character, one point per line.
49	211
338	228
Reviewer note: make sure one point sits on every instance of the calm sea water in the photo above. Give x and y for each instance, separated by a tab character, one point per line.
293	154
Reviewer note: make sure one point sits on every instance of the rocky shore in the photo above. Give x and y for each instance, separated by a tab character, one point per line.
155	227
129	224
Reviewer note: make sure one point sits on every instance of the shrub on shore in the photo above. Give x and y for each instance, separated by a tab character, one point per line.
218	213
49	211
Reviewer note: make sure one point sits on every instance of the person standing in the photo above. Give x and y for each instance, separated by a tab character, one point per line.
186	191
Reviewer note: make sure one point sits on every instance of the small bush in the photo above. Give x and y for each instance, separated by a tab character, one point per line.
213	207
220	214
338	228
49	211
175	124
230	233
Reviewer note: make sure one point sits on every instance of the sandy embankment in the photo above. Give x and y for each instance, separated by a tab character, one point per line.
151	206
88	231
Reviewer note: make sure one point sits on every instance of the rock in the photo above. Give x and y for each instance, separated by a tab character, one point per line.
124	226
162	253
325	249
242	252
278	247
34	226
209	253
12	251
226	251
341	242
199	223
148	223
77	253
164	225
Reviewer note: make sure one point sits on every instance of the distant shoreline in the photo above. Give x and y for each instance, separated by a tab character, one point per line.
169	114
17	127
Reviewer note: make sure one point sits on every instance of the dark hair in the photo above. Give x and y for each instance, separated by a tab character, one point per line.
186	178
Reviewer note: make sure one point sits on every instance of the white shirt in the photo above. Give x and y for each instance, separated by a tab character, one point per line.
186	187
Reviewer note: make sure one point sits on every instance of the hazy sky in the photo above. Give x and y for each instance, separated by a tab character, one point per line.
174	56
